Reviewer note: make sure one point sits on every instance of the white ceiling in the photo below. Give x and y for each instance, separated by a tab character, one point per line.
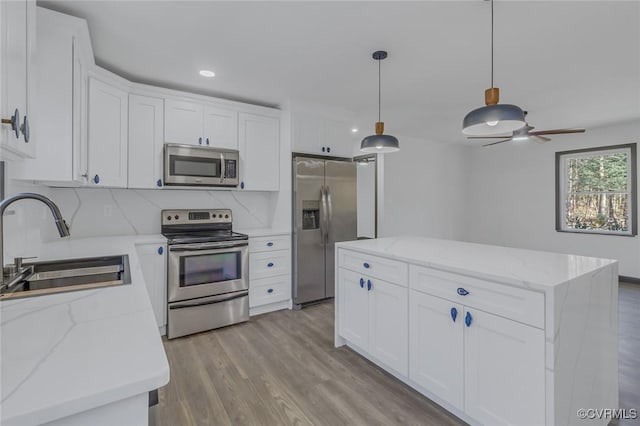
570	64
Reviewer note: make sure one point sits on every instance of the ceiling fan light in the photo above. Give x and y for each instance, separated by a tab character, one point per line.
379	144
508	118
520	138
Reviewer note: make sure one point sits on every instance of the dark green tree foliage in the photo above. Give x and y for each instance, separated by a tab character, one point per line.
597	196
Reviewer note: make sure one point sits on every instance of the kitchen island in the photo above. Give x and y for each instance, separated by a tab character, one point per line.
87	357
496	335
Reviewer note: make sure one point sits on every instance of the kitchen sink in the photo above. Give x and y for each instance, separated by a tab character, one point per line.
41	278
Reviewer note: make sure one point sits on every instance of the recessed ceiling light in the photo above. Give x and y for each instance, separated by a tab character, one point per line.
207	73
354	130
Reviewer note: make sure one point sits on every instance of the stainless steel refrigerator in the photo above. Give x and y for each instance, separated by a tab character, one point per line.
324	213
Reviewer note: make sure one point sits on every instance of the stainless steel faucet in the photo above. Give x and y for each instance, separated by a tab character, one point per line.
63	228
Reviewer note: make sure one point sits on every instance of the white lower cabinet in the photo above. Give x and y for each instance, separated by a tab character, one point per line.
373	316
153	262
269	273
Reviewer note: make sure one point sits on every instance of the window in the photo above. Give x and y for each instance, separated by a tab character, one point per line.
596	190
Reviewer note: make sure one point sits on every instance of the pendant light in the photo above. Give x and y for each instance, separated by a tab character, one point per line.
379	143
493	118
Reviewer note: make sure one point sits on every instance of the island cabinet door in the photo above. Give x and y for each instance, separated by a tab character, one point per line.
436	349
504	370
388	324
353	308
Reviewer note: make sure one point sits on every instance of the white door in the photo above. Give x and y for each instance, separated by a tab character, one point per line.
353	308
145	141
152	259
18	87
388	324
220	127
436	347
308	134
259	141
504	370
338	138
107	135
183	122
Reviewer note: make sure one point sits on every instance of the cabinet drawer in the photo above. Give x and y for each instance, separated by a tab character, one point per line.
374	266
269	264
269	290
271	243
520	305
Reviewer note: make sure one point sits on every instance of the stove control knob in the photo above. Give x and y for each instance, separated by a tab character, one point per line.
176	217
226	216
168	217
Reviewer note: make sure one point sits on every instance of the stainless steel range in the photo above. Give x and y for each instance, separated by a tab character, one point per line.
207	271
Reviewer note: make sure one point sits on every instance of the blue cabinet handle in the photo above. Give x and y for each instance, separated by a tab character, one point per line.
270	264
160	250
207	141
462	291
96	179
366	265
369	285
468	319
199	141
270	244
454	314
159	183
270	290
323	149
361	282
241	185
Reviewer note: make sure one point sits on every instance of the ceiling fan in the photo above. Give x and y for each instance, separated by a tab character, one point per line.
525	133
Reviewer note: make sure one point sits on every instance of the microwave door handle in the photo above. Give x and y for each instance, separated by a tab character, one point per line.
223	166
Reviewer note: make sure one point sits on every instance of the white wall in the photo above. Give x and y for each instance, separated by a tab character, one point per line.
423	190
510	194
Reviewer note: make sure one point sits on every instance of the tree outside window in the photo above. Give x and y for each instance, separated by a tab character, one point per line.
596	190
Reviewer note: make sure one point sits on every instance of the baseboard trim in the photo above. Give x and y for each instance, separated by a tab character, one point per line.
631	280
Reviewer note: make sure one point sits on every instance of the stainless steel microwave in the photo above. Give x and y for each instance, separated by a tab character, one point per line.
188	165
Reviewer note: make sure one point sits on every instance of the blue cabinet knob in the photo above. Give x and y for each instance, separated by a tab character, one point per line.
207	141
369	285
241	185
468	318
454	314
462	291
328	149
96	179
270	264
361	282
366	265
323	149
270	290
159	183
270	244
199	141
160	250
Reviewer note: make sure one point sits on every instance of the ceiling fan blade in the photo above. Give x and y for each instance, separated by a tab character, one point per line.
488	137
539	139
496	143
557	131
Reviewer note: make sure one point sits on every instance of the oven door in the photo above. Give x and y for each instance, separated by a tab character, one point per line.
189	165
207	269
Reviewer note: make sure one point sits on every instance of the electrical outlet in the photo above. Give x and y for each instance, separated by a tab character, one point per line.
108	210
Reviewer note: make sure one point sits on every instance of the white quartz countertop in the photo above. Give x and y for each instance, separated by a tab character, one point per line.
66	353
519	267
263	232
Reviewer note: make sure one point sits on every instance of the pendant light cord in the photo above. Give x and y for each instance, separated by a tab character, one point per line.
491	44
379	90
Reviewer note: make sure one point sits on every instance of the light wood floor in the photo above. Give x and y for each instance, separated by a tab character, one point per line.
282	369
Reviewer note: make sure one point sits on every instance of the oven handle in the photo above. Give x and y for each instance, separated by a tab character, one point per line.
208	301
206	246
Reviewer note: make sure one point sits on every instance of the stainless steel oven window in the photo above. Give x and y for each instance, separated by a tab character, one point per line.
210	268
194	166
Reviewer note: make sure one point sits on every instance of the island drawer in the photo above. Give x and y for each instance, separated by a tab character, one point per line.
269	290
521	305
374	266
269	264
270	243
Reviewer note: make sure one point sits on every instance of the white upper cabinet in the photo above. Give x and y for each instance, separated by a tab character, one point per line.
313	134
108	106
18	34
193	123
259	142
183	122
220	127
145	142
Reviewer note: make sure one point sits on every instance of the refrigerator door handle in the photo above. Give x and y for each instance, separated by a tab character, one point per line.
330	213
323	214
